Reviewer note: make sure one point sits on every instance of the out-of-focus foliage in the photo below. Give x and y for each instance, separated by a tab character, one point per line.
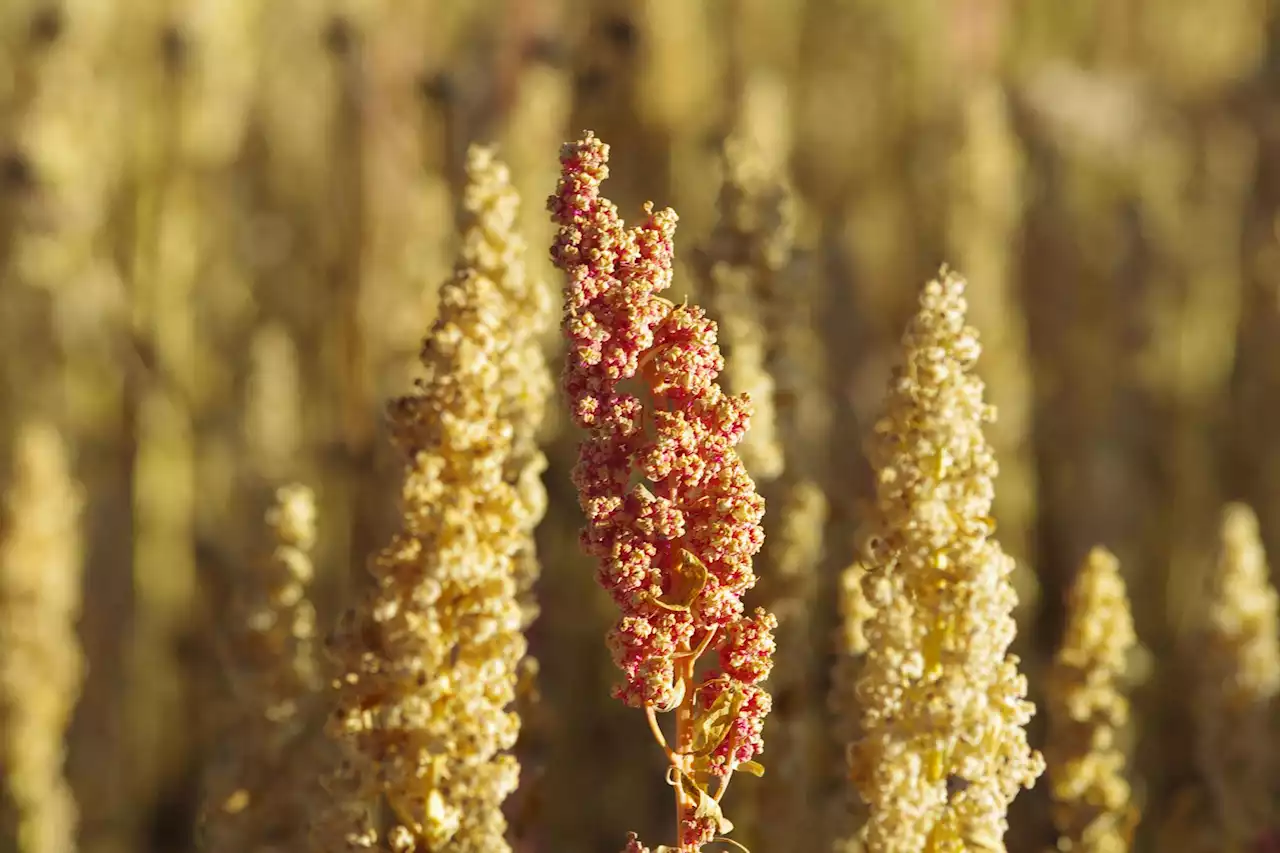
222	228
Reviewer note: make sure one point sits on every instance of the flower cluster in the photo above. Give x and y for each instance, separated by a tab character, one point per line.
1087	711
1239	680
944	749
493	248
271	666
430	660
672	516
765	311
748	249
847	809
41	664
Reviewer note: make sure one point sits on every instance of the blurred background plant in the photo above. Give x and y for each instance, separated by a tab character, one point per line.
222	227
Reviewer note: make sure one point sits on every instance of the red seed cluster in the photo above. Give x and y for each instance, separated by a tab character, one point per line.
672	516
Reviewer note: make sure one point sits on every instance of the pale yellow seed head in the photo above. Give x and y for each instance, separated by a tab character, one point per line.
431	659
1087	710
944	748
1240	678
41	664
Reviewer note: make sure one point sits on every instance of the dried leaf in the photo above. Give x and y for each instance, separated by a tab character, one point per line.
676	698
707	807
711	727
689	577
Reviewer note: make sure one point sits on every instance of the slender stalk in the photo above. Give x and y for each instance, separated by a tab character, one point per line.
652	716
681	799
684	737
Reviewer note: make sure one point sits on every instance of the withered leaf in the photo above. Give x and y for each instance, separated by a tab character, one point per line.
707	807
689	577
711	727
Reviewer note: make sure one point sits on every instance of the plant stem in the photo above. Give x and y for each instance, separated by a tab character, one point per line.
684	735
652	716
